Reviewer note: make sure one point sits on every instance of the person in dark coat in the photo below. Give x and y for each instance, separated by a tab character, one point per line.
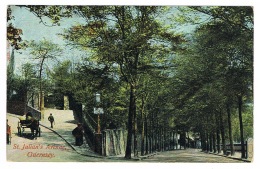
78	133
51	119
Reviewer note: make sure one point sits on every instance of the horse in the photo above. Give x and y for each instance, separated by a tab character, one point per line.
35	129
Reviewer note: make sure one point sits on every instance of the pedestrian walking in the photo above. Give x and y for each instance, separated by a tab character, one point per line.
78	133
51	119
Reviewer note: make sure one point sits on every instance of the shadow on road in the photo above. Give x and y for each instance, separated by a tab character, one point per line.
71	121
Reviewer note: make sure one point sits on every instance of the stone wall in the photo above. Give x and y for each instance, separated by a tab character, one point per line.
16	107
250	149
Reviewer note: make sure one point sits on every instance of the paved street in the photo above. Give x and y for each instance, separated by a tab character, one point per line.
55	148
189	156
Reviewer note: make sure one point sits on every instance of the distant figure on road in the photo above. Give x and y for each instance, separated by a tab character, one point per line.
51	119
78	133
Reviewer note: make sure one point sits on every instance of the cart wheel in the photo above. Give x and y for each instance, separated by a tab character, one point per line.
39	132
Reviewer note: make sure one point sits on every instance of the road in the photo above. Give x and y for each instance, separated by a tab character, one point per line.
189	156
47	148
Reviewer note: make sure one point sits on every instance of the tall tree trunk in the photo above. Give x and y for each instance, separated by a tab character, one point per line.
132	109
222	133
173	141
176	139
165	139
217	132
143	127
210	142
188	139
207	141
135	134
160	139
230	130
202	138
41	106
157	135
153	133
146	135
214	142
243	154
184	140
25	97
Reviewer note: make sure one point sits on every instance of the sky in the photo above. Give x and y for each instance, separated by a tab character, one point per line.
34	30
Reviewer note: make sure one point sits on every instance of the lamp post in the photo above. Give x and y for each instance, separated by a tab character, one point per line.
98	136
98	111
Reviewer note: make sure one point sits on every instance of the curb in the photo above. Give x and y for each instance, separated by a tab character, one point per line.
94	156
139	158
231	157
147	156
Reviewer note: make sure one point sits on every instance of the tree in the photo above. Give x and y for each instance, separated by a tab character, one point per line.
13	34
41	52
29	76
13	43
121	35
130	43
224	55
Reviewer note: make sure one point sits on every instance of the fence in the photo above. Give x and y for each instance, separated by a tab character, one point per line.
248	146
237	147
114	142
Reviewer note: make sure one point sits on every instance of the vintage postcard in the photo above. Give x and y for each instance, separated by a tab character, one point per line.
129	83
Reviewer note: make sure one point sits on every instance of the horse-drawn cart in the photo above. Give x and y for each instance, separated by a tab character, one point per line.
32	124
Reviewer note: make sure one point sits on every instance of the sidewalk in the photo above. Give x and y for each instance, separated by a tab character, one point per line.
63	126
65	123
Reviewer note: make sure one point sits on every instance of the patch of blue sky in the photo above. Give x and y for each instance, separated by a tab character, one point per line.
34	30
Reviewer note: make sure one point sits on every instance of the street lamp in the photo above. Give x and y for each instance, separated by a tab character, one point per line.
98	98
98	136
98	111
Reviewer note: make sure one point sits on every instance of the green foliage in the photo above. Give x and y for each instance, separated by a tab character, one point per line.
62	77
13	33
216	68
247	123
